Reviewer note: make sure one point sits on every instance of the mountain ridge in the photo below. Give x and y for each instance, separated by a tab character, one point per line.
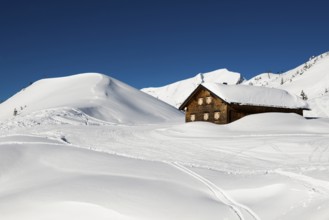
312	77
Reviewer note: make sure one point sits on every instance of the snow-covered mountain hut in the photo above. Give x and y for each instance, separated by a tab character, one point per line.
222	104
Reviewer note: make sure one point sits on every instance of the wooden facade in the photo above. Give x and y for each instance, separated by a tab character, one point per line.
203	105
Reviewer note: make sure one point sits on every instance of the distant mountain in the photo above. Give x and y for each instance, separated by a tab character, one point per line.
93	94
175	93
312	77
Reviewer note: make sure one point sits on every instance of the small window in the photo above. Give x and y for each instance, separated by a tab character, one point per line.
200	101
217	115
208	100
192	117
206	116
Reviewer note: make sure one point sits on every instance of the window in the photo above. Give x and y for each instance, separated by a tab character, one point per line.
217	115
206	116
208	100
200	101
192	117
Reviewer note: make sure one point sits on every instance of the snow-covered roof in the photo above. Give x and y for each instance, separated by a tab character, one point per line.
256	96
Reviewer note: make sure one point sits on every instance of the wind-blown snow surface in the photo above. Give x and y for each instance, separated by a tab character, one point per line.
176	93
94	94
59	165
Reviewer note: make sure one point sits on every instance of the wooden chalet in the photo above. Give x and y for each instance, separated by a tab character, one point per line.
222	104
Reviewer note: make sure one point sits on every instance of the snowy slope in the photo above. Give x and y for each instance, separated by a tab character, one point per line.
176	93
95	95
312	77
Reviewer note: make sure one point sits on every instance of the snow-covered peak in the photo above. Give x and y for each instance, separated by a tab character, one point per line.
223	76
177	92
94	94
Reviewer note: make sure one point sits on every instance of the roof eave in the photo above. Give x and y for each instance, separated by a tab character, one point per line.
183	105
269	106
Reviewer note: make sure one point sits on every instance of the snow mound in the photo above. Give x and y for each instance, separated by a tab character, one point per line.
280	122
53	181
258	96
95	95
319	107
175	93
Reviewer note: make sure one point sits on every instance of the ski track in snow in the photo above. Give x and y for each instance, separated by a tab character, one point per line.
218	193
317	185
318	154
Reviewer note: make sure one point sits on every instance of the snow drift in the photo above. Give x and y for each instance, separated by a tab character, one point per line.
96	95
42	180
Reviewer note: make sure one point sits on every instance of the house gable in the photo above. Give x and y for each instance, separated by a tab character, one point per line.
203	105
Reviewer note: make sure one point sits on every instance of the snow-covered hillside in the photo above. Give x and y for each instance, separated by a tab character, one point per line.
312	77
176	93
96	95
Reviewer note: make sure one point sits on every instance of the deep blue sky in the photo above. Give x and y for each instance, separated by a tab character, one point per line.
153	43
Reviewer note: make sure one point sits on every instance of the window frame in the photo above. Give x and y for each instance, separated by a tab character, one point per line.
217	113
200	101
209	100
206	116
